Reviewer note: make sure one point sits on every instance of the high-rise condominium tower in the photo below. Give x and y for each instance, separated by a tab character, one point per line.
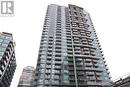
7	59
70	54
27	77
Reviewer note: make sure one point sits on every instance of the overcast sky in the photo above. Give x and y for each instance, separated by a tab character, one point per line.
111	19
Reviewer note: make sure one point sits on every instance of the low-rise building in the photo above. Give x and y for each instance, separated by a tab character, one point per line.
122	82
27	77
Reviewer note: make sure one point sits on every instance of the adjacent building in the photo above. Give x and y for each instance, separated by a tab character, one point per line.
27	77
124	81
7	59
70	54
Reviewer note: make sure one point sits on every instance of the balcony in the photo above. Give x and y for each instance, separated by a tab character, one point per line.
78	52
86	52
70	55
70	64
85	42
98	74
57	62
77	48
56	78
90	73
97	65
89	64
93	69
71	73
48	62
81	45
79	65
87	57
91	78
57	67
57	73
97	69
72	79
58	58
48	71
93	83
80	74
49	67
70	52
80	68
99	78
71	68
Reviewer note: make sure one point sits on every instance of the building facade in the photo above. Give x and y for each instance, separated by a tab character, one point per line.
7	59
27	77
69	53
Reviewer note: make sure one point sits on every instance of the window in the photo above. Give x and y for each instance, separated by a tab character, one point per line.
2	49
1	53
41	70
1	40
40	81
4	45
75	13
74	8
42	65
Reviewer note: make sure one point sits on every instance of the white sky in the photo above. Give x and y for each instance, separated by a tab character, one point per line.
111	19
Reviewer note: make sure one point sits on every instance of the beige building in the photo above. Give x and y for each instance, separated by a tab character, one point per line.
27	77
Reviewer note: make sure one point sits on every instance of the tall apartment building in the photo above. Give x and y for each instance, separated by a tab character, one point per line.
7	59
69	53
27	77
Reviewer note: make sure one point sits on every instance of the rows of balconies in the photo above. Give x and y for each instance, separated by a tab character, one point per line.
78	20
75	26
71	74
94	83
57	67
58	63
85	46
84	53
77	16
81	36
86	57
75	8
76	12
6	57
48	82
88	69
48	62
85	50
80	80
